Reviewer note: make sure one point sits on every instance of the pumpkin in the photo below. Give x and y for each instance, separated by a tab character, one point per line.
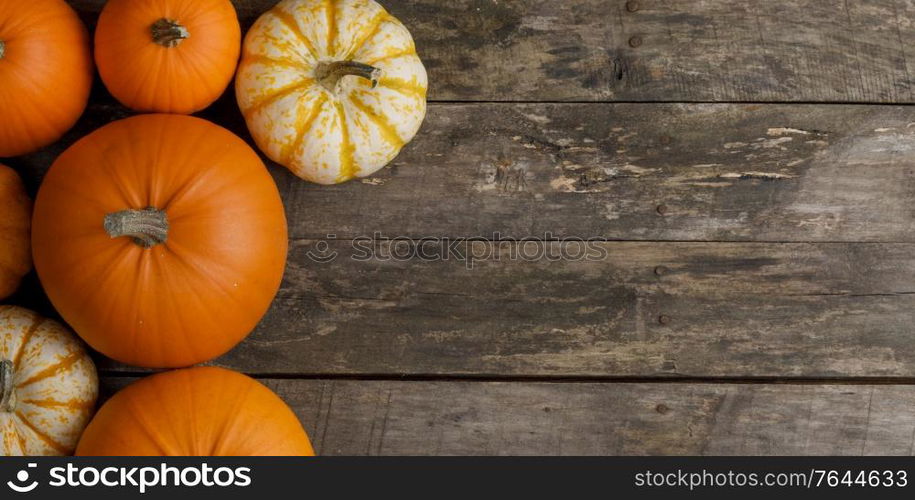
15	219
331	89
48	385
45	73
201	411
169	56
161	239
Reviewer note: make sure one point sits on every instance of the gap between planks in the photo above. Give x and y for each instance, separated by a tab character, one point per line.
584	379
673	101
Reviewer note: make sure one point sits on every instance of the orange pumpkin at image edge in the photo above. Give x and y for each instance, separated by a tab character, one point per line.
160	239
15	220
167	56
201	411
45	73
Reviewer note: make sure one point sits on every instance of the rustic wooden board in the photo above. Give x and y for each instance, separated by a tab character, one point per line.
353	417
634	172
729	310
718	172
666	50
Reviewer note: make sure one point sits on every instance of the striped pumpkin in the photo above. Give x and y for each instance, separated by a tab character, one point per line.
331	89
48	385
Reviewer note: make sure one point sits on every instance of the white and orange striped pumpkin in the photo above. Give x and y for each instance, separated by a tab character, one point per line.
48	385
331	89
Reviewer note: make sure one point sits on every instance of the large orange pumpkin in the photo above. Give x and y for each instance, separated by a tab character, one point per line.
15	219
45	73
169	56
161	239
202	411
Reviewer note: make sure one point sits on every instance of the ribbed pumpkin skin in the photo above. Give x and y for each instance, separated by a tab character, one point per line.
330	135
201	411
147	76
190	298
54	385
15	220
45	73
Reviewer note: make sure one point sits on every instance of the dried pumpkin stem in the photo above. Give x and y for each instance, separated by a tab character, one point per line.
147	227
329	73
168	33
6	386
2	49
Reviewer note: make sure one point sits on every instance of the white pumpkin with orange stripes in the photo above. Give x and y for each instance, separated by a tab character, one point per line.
331	89
48	385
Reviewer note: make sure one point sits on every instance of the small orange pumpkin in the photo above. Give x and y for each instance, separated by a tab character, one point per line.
15	219
161	239
202	411
168	56
45	73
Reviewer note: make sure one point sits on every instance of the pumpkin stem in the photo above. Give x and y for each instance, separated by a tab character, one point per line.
6	386
2	48
168	33
147	227
329	73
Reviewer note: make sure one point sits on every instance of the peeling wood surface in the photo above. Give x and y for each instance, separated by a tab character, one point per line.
635	172
666	50
751	240
357	417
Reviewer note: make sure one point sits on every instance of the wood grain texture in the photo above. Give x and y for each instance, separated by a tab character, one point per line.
667	50
631	310
688	172
634	172
353	417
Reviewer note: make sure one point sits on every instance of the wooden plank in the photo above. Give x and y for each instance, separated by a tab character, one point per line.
634	172
669	50
717	172
632	310
353	417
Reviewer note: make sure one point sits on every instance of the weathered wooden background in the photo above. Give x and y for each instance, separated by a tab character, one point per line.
749	168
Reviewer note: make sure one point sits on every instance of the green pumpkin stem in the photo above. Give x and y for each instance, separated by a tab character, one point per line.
147	227
168	33
6	386
328	74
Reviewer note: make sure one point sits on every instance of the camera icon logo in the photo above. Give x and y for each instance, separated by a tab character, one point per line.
22	476
322	253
